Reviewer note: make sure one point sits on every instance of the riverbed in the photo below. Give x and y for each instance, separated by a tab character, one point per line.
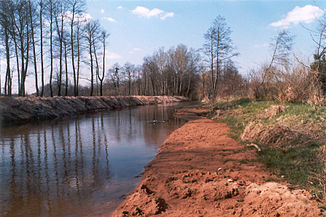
80	166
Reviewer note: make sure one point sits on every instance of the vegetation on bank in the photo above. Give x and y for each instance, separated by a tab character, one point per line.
291	137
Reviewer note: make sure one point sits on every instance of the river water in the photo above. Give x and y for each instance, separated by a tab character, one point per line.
81	166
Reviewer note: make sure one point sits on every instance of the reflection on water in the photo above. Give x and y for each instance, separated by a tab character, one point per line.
79	167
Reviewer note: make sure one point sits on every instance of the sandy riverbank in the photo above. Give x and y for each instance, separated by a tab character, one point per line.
200	171
22	109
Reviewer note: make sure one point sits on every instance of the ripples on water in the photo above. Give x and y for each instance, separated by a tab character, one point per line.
82	166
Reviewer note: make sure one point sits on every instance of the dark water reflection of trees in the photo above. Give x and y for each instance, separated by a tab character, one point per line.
68	167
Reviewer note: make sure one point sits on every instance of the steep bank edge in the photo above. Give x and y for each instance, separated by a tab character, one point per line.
200	171
23	109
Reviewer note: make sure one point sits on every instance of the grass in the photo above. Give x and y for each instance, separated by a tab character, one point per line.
300	164
297	165
248	110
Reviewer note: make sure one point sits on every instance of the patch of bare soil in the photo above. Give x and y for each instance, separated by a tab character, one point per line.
200	171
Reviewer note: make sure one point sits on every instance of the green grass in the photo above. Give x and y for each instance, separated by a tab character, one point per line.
299	164
249	110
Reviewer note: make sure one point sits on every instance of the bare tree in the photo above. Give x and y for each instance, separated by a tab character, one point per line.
101	77
5	23
50	10
129	70
32	20
115	78
41	46
91	29
218	46
65	44
59	17
21	33
281	46
319	64
76	7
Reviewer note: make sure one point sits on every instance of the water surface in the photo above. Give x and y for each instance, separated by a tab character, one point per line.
81	166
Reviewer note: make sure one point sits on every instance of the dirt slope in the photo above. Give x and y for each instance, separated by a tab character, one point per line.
200	171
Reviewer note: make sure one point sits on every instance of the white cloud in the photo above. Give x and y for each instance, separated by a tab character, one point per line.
119	7
83	18
113	56
166	15
67	16
110	19
102	11
306	14
155	12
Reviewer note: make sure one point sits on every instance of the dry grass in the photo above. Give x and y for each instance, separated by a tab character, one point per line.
298	84
291	137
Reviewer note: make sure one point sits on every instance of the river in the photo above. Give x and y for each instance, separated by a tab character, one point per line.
79	166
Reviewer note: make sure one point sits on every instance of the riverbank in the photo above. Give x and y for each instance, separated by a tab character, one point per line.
201	171
291	137
23	109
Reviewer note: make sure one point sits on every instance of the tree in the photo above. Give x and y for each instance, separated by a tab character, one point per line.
115	77
91	30
32	10
5	23
129	70
218	48
59	17
41	46
22	36
79	40
281	46
76	7
101	77
319	64
50	10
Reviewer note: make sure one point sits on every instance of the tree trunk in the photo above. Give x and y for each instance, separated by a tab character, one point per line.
51	47
72	49
97	67
103	68
8	73
41	39
91	61
34	47
66	68
60	36
78	60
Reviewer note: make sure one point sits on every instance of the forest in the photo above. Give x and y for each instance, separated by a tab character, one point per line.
54	41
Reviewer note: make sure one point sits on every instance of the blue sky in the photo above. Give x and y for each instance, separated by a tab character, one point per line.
137	32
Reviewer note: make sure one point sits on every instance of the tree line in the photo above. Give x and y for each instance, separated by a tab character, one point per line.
206	72
171	72
53	40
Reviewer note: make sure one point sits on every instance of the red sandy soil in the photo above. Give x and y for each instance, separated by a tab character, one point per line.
200	171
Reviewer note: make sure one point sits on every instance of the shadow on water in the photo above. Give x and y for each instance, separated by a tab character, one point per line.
81	166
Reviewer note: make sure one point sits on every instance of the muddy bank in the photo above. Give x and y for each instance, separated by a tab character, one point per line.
22	109
200	171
